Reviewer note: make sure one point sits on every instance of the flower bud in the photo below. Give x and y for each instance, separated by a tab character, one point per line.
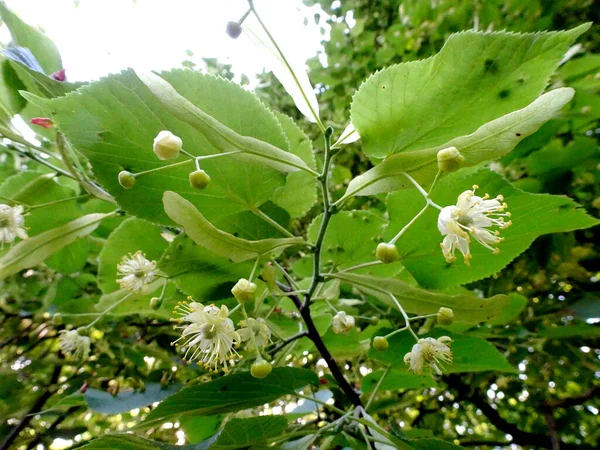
380	343
126	179
342	323
155	303
167	145
199	179
387	253
57	319
261	369
445	316
244	291
449	159
374	321
233	29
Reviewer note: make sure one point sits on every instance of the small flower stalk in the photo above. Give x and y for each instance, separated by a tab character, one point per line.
429	353
254	327
72	344
208	334
12	224
167	145
137	272
472	216
342	323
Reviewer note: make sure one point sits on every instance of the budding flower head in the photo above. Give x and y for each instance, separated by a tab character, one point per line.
233	29
126	179
208	334
342	323
74	345
244	291
387	253
155	303
12	224
199	179
137	272
445	316
254	327
449	159
472	216
167	145
261	369
380	343
429	353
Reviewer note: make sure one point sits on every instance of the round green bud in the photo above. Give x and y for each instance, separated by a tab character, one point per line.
167	145
233	29
199	179
261	369
449	159
244	291
57	319
380	343
387	253
445	316
155	303
374	321
126	179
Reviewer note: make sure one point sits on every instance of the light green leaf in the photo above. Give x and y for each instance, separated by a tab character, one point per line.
469	353
244	433
532	215
468	307
397	378
113	122
475	78
219	242
41	84
490	141
232	393
25	35
300	191
221	137
35	250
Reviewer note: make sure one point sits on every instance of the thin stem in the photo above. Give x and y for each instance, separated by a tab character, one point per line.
57	201
257	212
14	201
406	319
409	224
377	386
361	266
286	275
106	311
31	155
254	267
289	67
422	191
287	341
168	166
435	180
320	402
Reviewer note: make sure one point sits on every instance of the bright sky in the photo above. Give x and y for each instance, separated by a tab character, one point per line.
98	37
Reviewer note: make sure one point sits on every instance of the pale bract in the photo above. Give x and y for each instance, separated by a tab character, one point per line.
208	334
429	353
472	216
12	224
136	271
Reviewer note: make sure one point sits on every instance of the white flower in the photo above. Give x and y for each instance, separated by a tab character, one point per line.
342	323
208	334
167	145
73	344
429	352
11	223
256	327
471	216
137	272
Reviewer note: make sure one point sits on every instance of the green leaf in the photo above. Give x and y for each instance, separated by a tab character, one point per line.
113	122
490	141
221	137
432	444
130	236
244	433
219	242
300	191
532	215
397	378
105	403
198	272
516	304
35	250
40	84
232	393
132	442
25	35
474	79
199	428
468	307
470	354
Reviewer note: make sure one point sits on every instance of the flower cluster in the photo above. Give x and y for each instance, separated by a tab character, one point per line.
429	353
137	272
11	224
254	327
72	344
471	216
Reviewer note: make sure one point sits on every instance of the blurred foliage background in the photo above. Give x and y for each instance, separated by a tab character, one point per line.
552	339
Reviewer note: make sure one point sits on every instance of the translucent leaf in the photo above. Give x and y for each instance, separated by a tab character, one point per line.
490	141
219	242
348	136
475	78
